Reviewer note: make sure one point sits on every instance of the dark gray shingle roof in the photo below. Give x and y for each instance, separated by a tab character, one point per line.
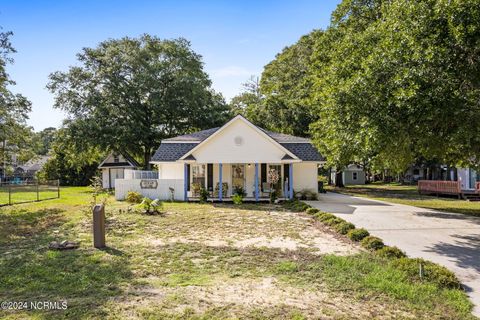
172	151
195	136
283	138
304	151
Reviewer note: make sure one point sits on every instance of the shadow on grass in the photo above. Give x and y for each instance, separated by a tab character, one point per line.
85	278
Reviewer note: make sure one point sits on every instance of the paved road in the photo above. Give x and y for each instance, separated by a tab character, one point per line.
450	239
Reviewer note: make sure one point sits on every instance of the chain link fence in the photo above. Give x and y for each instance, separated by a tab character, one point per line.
22	192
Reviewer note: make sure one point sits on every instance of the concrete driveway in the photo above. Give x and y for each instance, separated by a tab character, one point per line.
450	239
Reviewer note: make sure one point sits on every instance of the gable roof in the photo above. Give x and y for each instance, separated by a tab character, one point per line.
248	123
179	147
130	161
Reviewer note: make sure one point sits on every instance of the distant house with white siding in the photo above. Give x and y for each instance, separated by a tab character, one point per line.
113	167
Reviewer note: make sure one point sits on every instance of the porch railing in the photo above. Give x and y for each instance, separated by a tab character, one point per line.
444	187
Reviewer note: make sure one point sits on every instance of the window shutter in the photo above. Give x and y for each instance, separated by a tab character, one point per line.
210	177
263	174
188	177
286	173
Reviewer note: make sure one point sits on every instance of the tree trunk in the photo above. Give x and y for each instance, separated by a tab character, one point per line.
330	176
339	179
147	155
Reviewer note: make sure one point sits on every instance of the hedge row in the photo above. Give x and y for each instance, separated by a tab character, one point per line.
430	271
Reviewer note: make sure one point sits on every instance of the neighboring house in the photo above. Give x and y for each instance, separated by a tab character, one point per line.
31	167
113	167
351	175
236	155
468	178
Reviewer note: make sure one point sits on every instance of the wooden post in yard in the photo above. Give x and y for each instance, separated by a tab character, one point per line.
38	196
58	188
9	194
99	226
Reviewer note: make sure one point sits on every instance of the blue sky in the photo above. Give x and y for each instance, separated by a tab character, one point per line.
235	38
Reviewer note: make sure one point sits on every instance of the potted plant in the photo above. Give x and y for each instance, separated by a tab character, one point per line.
238	194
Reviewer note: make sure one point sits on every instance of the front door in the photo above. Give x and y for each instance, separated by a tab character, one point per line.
278	172
238	178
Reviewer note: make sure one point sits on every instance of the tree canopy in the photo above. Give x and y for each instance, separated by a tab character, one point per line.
398	80
130	93
14	109
387	83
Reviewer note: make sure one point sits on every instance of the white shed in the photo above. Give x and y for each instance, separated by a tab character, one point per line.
113	167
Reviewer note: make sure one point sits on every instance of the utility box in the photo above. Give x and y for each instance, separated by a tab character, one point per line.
99	226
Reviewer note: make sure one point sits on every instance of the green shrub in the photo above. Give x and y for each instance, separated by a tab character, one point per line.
391	252
296	206
372	243
239	190
344	227
357	234
203	193
133	197
312	211
432	272
306	194
332	222
323	216
237	199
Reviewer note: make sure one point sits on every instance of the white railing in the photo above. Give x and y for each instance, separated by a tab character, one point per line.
140	174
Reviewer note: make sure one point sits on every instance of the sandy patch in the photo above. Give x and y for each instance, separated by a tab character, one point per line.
246	294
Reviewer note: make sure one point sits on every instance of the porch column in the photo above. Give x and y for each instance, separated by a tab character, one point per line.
256	182
290	181
220	184
185	182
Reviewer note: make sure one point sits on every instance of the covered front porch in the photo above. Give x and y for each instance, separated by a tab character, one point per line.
223	180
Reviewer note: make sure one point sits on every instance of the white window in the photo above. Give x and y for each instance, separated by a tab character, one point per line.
354	175
116	159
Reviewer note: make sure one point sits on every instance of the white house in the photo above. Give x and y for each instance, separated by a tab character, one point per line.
113	167
220	160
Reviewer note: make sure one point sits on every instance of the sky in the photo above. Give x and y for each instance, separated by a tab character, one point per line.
235	38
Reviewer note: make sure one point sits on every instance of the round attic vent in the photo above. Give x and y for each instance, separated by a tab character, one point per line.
238	141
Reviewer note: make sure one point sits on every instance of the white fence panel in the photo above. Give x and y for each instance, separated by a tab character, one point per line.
140	174
151	188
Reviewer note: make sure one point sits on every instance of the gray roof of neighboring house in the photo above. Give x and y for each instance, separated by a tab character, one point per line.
176	147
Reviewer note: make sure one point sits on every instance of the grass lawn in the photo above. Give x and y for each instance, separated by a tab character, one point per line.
202	261
409	195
